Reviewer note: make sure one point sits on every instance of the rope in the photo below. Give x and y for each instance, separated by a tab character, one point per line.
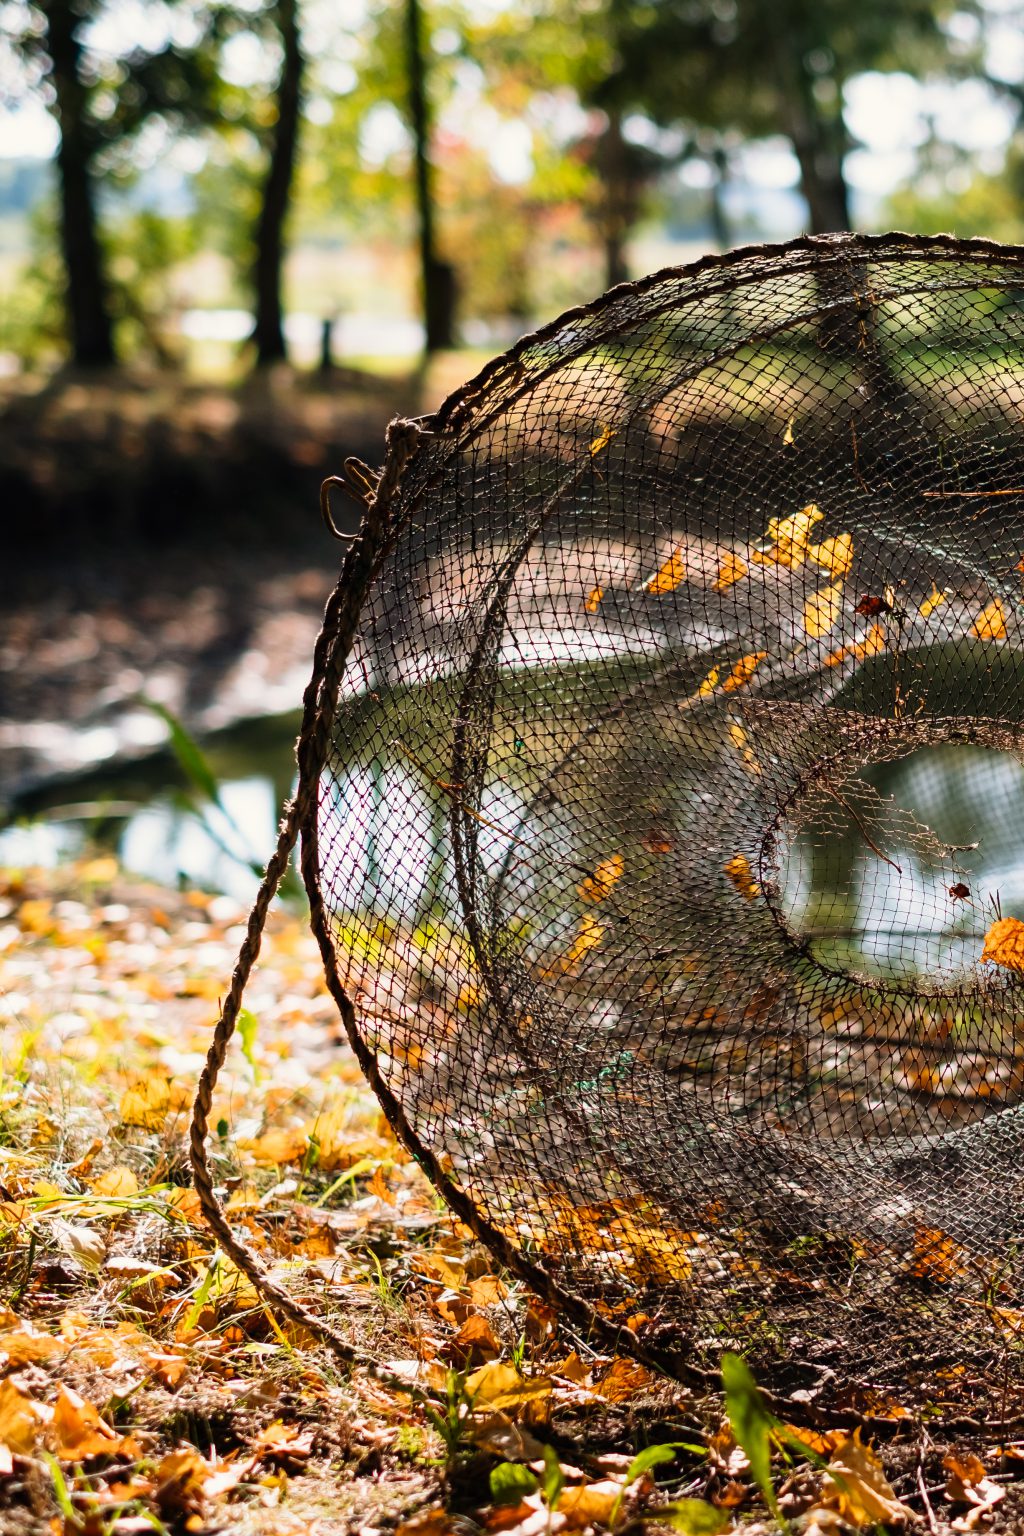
333	645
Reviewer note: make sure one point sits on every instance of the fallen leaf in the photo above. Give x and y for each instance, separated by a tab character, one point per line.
590	1504
22	1419
739	872
931	602
862	1494
731	570
991	622
859	650
588	937
77	1432
741	741
834	555
499	1386
602	440
602	882
709	684
936	1256
622	1381
1004	944
593	601
669	575
657	841
968	1483
789	538
822	611
743	671
787	436
118	1182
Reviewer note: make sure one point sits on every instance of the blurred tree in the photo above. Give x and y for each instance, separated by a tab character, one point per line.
437	277
282	16
775	66
100	103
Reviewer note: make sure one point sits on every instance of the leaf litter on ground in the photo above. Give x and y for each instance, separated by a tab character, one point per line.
145	1385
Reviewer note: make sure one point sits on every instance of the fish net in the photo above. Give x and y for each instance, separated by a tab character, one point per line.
669	847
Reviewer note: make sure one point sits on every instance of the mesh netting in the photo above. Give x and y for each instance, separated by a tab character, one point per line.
670	835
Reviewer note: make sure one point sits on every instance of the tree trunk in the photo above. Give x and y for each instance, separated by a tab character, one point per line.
268	331
716	199
823	183
618	208
90	325
436	277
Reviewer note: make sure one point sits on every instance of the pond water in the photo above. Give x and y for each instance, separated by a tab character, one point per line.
146	813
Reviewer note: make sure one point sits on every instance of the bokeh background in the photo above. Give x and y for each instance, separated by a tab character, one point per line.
235	238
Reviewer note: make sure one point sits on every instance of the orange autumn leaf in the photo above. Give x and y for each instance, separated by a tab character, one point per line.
859	650
602	440
936	1256
593	601
834	555
669	575
743	671
991	622
1004	944
822	610
602	882
738	870
588	937
731	570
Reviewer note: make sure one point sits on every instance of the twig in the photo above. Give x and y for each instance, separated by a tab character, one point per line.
864	831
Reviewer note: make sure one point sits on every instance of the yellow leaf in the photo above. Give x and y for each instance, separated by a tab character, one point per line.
741	741
991	622
277	1147
931	602
602	882
148	1103
602	440
669	575
834	555
787	436
22	1344
590	934
743	671
498	1385
731	570
862	1493
709	684
822	610
1004	944
789	538
118	1182
739	872
593	601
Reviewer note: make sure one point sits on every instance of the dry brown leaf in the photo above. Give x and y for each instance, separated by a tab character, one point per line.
860	1490
475	1341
